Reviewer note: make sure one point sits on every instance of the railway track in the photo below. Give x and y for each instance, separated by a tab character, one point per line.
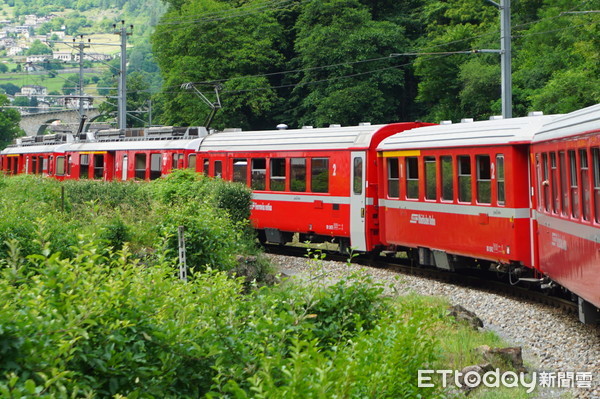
467	278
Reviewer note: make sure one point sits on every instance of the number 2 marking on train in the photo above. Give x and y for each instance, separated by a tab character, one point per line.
334	169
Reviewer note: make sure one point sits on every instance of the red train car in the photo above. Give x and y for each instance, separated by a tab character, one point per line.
321	183
106	155
34	154
459	191
566	165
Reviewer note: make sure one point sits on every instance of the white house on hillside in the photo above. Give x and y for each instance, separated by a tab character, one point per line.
34	90
15	50
65	56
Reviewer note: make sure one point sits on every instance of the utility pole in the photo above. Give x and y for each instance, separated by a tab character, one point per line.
505	56
122	97
81	46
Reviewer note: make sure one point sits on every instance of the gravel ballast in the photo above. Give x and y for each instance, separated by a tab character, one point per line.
552	340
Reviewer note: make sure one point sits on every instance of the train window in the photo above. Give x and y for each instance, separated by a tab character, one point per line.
44	163
464	178
554	183
277	175
60	166
500	186
240	170
41	165
357	182
412	177
175	161
192	161
15	165
98	166
545	182
259	174
218	166
447	177
140	166
484	179
319	173
393	178
205	166
585	184
574	185
596	180
68	165
155	169
298	174
84	166
33	165
564	186
430	178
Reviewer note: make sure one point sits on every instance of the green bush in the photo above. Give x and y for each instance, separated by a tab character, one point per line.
120	194
211	239
235	198
180	187
102	324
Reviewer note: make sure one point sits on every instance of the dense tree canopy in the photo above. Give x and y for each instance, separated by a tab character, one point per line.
9	122
347	61
37	47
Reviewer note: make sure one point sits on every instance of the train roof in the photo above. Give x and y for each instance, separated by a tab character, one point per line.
35	149
586	120
133	145
467	134
328	138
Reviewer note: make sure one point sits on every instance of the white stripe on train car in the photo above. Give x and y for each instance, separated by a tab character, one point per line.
468	210
308	198
575	229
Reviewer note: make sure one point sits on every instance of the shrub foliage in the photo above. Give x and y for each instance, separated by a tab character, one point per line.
90	305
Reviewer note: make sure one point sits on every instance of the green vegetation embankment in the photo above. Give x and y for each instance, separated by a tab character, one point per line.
91	305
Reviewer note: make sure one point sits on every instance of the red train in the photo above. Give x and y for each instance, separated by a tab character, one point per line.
520	195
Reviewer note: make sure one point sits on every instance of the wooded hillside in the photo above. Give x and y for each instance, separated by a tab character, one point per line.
345	61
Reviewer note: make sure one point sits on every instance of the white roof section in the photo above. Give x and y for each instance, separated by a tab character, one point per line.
36	149
490	132
586	120
328	138
135	145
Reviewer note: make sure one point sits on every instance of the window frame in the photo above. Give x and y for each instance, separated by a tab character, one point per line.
317	171
412	178
275	180
393	179
468	177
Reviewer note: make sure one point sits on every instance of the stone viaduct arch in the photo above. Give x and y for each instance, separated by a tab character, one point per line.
34	124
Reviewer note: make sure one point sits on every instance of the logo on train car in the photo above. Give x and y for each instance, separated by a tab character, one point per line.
559	241
496	248
335	227
262	207
427	220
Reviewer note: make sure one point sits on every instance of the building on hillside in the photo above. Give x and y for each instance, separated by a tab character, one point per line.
34	91
72	102
14	50
93	57
64	56
59	33
38	58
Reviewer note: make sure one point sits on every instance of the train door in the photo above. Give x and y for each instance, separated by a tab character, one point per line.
124	168
357	202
